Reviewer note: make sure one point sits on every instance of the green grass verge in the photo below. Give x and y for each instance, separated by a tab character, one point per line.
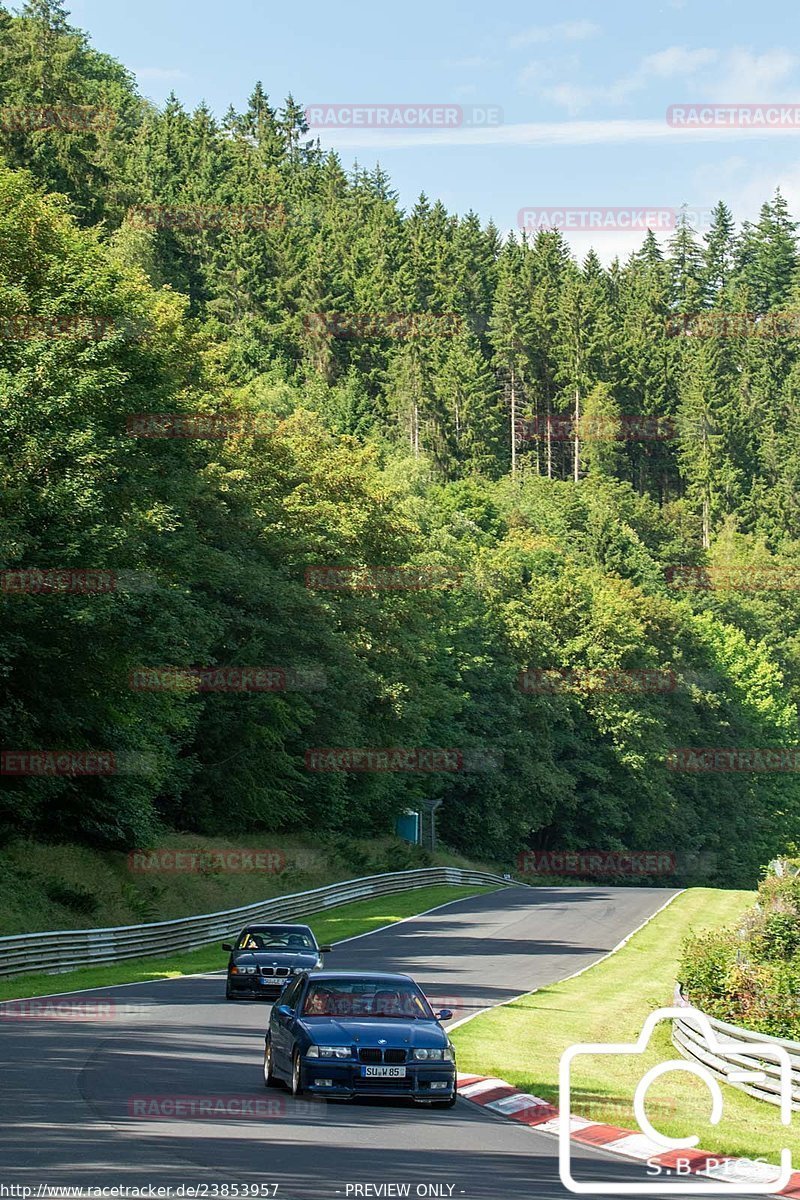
523	1041
333	925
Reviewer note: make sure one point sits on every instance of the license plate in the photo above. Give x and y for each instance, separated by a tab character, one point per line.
384	1072
274	980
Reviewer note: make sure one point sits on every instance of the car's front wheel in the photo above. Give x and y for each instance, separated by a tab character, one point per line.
297	1075
270	1078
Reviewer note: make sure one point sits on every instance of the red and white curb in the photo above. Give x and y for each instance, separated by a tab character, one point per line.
507	1101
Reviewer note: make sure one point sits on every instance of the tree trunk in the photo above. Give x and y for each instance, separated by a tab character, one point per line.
513	422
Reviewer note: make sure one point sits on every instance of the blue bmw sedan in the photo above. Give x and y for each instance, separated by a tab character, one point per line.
343	1034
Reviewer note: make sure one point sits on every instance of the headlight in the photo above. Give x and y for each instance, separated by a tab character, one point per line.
434	1055
329	1052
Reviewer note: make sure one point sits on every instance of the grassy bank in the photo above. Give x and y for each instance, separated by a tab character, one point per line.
523	1041
74	887
334	925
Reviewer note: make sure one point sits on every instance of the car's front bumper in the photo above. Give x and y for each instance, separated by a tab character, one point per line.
251	986
347	1079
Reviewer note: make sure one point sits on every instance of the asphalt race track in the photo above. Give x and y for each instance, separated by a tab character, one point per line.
90	1099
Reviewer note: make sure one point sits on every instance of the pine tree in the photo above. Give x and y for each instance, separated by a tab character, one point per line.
719	253
512	334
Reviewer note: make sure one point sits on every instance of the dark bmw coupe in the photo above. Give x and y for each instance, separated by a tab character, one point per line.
343	1034
266	958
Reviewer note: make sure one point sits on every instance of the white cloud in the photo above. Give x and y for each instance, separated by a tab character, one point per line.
735	176
749	77
566	31
738	74
675	60
548	133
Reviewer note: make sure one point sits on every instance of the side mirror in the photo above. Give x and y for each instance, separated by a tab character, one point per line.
283	1010
326	949
444	1014
227	946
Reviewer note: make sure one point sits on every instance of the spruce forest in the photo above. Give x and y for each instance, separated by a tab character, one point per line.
590	472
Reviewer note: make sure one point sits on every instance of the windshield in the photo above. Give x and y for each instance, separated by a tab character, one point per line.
267	939
354	998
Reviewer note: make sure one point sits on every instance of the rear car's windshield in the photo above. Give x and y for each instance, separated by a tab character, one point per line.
359	998
275	939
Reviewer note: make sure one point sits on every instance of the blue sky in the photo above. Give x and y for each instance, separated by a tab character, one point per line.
583	90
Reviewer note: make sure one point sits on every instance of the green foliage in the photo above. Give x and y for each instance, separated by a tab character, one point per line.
391	448
751	976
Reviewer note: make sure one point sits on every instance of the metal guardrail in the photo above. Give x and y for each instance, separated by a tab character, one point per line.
782	867
66	949
737	1051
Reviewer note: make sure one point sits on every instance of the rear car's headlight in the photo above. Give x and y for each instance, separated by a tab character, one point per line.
328	1052
434	1055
